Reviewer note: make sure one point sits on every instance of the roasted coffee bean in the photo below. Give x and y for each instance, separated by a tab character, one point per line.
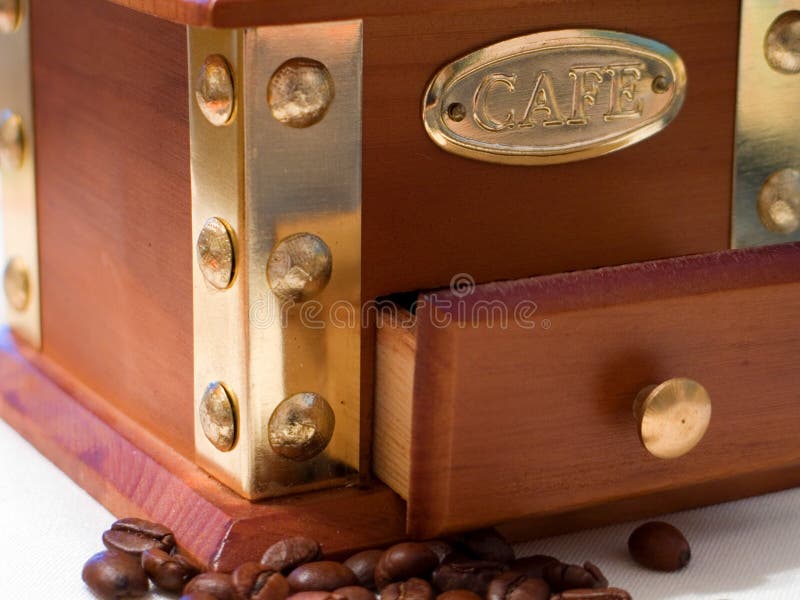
562	577
315	596
600	580
324	575
458	595
219	585
517	586
441	549
197	596
404	561
487	544
593	594
472	575
413	589
354	592
290	553
170	572
111	574
255	581
659	546
533	566
134	536
363	566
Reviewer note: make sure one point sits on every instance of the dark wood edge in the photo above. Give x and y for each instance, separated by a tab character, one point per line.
132	473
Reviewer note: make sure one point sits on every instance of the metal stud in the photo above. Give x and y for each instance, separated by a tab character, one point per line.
779	202
218	417
214	90
301	426
12	140
9	15
17	284
782	43
215	253
300	92
299	267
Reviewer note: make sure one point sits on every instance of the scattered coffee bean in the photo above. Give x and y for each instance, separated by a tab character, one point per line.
219	585
170	572
600	580
314	596
471	575
134	536
324	575
458	595
517	586
533	566
354	592
441	549
255	581
413	589
659	546
290	553
197	596
363	566
404	561
111	574
562	577
487	544
593	594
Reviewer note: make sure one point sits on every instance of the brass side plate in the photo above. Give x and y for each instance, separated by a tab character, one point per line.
554	97
766	182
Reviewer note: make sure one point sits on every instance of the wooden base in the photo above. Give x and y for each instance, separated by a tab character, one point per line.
133	473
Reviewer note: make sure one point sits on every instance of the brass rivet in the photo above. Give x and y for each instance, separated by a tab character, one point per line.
779	202
218	417
660	85
456	111
215	253
301	426
299	267
300	92
673	417
9	15
17	284
214	90
12	140
782	43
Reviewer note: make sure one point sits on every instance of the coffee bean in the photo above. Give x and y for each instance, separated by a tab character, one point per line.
325	575
600	580
134	536
517	586
533	566
441	549
111	574
315	595
593	594
219	585
197	596
255	581
354	592
487	544
363	566
472	575
404	561
291	552
413	589
562	577
170	572
659	546
458	595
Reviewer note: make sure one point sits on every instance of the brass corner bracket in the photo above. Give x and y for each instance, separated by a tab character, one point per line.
275	128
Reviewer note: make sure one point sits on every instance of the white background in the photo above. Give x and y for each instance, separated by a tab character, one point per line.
747	550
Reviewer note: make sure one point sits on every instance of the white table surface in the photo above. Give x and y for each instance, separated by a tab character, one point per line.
747	550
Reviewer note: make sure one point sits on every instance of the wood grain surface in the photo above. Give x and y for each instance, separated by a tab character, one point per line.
512	422
132	473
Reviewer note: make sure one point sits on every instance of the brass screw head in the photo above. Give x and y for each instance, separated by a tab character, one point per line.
782	43
779	202
215	253
301	426
660	84
9	15
218	417
17	284
299	267
673	416
300	92
12	140
214	90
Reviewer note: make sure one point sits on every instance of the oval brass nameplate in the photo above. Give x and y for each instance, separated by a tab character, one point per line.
554	97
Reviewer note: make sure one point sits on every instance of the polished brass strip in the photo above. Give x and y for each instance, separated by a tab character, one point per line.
276	223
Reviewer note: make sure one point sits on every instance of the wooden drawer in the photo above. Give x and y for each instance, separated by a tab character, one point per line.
477	423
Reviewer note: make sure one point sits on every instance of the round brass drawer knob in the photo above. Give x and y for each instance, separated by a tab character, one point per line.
673	416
